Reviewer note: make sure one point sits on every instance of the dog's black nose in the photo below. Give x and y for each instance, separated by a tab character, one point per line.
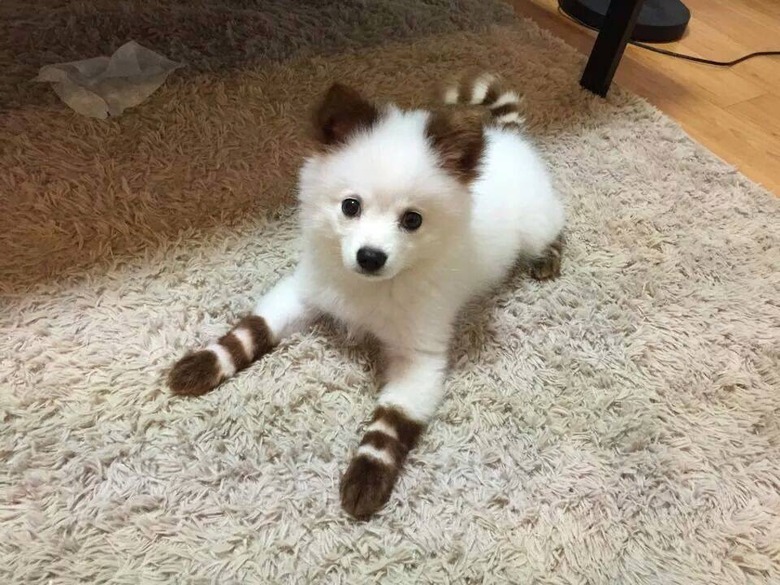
371	259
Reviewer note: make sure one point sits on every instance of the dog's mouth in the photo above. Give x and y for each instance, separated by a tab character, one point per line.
370	274
375	275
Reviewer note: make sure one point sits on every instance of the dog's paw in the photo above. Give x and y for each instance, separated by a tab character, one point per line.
366	486
546	268
195	374
549	265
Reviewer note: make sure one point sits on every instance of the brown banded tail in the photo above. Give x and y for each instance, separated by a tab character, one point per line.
486	89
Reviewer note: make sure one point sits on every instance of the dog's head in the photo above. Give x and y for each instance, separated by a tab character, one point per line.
388	189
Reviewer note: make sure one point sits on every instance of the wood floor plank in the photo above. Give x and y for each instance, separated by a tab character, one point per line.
734	112
756	110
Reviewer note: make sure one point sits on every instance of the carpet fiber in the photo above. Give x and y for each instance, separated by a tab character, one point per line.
618	425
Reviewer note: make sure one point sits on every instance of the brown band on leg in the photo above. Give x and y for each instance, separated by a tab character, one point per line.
466	89
261	341
503	110
408	431
492	94
199	372
369	480
383	442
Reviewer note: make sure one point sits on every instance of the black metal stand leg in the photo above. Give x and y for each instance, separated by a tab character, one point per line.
610	44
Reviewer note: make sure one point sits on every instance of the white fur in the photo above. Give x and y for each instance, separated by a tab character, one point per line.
382	427
415	385
226	366
469	240
283	308
244	336
481	87
451	96
508	97
378	454
510	118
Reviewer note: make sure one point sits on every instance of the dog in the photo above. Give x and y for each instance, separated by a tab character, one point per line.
405	216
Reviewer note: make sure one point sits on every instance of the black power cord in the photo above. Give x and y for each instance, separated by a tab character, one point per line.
681	55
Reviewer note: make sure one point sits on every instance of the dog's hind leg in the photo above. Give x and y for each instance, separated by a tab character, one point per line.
548	265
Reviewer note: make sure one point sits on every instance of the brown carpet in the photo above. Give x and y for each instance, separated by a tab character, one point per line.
617	426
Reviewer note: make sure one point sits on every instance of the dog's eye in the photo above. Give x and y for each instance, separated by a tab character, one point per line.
350	207
411	220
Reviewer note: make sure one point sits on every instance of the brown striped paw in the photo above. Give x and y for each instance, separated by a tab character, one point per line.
199	372
366	486
370	477
549	265
195	374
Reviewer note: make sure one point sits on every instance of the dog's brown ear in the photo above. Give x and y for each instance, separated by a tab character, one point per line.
458	139
341	112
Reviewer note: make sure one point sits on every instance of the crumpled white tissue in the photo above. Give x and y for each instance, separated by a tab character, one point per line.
106	86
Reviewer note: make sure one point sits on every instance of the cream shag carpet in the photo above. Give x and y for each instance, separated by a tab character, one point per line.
619	425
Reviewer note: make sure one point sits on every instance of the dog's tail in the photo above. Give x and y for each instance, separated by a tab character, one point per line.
486	89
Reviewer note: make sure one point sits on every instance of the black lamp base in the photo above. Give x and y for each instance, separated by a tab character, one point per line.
660	21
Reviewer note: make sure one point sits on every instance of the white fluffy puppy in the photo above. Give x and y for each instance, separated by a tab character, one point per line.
405	216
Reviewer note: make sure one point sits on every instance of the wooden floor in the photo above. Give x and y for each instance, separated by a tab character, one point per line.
735	112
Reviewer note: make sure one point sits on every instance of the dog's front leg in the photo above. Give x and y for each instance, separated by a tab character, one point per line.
414	388
280	312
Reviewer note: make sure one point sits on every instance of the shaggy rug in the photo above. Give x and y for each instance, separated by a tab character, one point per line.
618	425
